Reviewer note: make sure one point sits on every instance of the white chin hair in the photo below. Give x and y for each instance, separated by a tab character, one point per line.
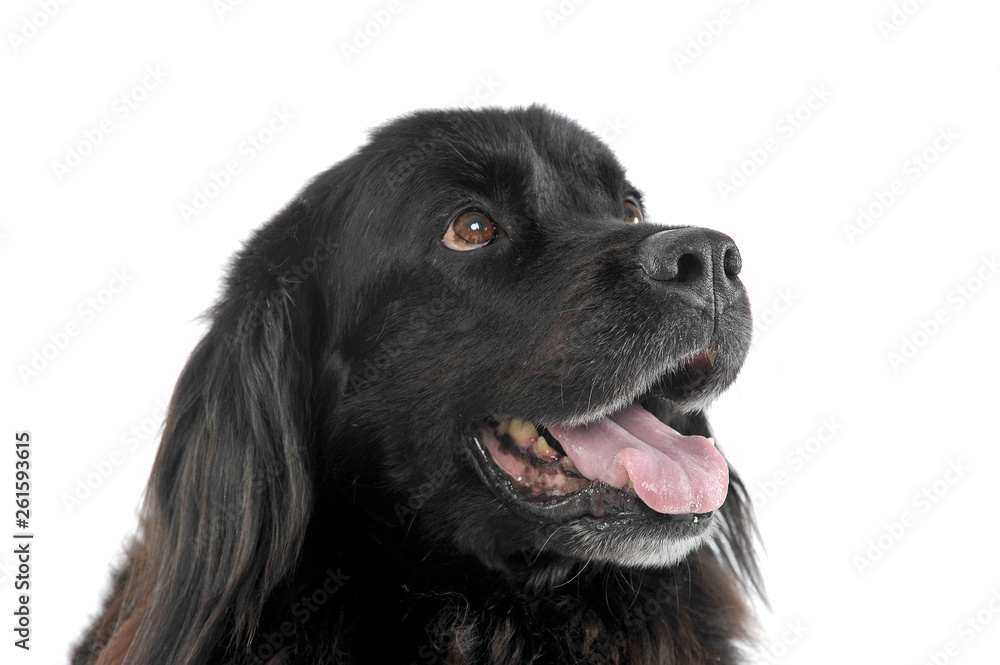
638	550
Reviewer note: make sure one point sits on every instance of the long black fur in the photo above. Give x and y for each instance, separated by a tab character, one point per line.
313	499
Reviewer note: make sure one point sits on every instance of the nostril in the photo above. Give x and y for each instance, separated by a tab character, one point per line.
698	259
732	262
689	268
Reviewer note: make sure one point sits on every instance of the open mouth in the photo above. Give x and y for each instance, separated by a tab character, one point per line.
629	461
691	374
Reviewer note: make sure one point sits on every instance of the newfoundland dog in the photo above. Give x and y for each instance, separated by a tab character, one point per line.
451	409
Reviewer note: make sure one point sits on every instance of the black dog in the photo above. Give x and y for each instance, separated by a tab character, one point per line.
450	410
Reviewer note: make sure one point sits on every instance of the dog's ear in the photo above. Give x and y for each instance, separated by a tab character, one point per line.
734	546
229	497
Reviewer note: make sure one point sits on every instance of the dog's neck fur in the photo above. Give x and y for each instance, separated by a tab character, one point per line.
452	609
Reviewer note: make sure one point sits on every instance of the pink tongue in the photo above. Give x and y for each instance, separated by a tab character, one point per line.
672	473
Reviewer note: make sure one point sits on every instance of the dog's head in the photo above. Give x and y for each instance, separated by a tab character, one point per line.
527	357
470	334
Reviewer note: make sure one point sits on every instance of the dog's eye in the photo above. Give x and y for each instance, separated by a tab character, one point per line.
470	231
632	213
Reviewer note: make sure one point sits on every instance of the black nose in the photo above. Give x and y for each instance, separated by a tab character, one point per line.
700	260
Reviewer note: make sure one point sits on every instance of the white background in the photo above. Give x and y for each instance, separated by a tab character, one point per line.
831	306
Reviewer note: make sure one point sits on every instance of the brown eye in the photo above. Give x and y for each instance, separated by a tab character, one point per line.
470	231
632	213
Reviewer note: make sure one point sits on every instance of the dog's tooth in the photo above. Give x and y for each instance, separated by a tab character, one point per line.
631	484
503	427
543	448
567	462
522	431
711	440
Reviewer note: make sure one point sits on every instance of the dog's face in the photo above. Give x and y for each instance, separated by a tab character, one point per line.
524	357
